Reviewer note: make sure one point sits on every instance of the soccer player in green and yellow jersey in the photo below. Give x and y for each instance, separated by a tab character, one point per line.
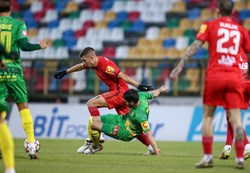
14	37
6	141
127	127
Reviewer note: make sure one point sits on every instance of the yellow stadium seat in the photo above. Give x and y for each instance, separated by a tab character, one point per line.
197	24
246	24
32	32
135	52
165	33
177	32
179	7
239	5
71	6
143	43
172	53
159	53
206	14
101	24
185	23
156	44
109	15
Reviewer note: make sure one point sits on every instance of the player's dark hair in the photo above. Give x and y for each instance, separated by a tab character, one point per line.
86	51
225	7
131	96
5	5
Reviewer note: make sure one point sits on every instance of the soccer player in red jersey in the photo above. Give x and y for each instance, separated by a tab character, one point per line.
223	77
225	153
117	82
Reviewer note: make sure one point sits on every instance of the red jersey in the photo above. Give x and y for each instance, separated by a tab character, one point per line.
107	71
243	64
225	38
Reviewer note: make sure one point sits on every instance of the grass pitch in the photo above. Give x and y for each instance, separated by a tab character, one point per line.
59	156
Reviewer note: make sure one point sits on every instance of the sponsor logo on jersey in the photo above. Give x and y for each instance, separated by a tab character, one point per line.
24	33
203	29
110	70
145	125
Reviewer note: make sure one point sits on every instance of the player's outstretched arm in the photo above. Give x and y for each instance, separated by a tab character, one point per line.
61	73
134	83
25	45
188	55
153	142
159	90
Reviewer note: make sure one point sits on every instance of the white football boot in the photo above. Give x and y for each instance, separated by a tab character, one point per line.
32	151
86	145
92	149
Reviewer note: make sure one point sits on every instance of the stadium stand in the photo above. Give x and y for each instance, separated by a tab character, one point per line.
135	29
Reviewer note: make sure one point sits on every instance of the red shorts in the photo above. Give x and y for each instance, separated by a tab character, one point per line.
115	100
227	92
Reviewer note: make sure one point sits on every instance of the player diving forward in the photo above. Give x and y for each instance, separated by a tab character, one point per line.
131	125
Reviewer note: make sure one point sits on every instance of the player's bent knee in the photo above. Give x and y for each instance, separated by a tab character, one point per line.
116	130
239	134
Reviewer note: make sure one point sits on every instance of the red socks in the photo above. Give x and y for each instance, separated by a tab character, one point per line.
239	148
207	144
144	139
94	111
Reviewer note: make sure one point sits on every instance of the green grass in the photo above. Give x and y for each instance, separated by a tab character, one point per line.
59	156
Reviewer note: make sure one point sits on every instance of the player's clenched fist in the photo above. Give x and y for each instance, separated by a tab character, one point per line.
60	74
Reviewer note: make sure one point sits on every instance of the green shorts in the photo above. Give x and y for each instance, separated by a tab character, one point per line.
14	85
110	121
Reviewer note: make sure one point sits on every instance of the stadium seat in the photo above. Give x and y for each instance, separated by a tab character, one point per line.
244	14
32	32
36	6
80	81
239	5
54	85
143	43
50	15
246	24
185	24
114	23
172	23
98	15
122	15
207	14
152	33
194	14
137	26
122	52
109	15
181	43
117	34
53	24
202	53
70	7
169	42
164	33
29	73
101	24
133	15
131	6
109	52
67	84
119	6
179	6
107	5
